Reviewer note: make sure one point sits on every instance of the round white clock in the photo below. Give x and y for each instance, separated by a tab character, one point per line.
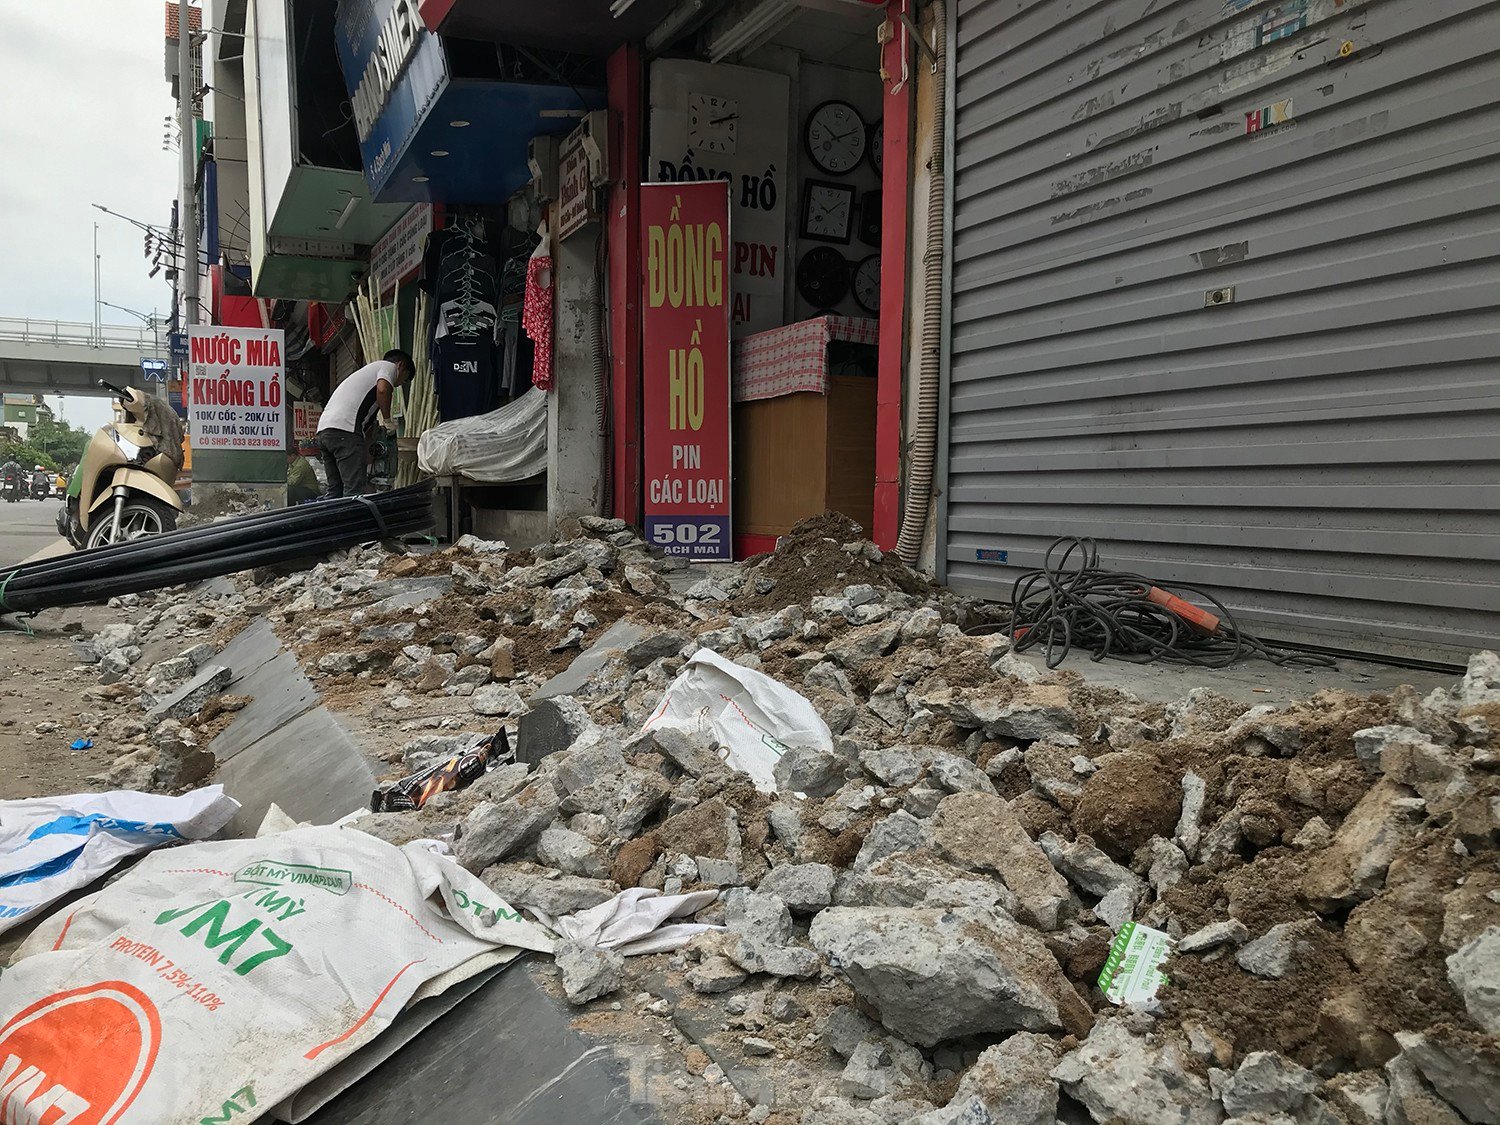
835	137
713	124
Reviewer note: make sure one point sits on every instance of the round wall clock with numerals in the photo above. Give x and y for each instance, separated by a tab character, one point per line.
823	277
835	137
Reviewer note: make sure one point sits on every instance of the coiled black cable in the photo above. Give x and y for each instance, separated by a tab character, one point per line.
1072	601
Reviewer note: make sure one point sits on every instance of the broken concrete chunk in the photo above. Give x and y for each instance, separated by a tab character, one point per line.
1119	1076
1358	1096
587	972
655	647
880	1066
1353	866
895	766
933	975
1032	713
716	973
899	832
571	853
1465	1073
1188	832
980	832
1411	1100
958	775
692	752
1474	973
1279	950
1268	1083
1213	935
1010	1084
523	884
494	830
809	770
806	888
762	931
189	699
1165	864
1087	866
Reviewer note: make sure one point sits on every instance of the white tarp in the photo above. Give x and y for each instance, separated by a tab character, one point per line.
505	445
215	980
52	845
755	718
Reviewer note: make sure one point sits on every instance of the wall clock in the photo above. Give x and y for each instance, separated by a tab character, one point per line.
870	214
827	211
835	137
713	124
877	146
866	284
823	277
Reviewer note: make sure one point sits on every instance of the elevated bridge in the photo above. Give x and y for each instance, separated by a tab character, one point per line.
61	357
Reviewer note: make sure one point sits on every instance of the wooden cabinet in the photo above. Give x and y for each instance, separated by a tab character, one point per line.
801	454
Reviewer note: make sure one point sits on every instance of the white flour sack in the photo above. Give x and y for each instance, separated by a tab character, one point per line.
213	981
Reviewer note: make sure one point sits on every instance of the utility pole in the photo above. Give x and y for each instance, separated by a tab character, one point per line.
187	192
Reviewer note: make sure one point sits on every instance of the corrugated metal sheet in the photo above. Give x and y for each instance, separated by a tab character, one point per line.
1325	449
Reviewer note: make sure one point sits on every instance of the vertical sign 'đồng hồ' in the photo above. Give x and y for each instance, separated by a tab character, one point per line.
685	367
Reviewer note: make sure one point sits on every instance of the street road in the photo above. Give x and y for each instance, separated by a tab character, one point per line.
26	527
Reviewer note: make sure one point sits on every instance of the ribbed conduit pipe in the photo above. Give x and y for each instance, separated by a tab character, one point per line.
924	440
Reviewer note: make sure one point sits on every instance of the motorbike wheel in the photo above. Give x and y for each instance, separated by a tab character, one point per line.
141	516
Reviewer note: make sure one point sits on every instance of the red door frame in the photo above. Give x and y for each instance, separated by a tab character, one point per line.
895	253
623	78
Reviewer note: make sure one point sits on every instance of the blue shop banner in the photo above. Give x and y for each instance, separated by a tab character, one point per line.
394	70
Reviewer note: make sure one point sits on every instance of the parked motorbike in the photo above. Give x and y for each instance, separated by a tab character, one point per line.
123	488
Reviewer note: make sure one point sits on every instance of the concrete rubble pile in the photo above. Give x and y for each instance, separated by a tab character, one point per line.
914	924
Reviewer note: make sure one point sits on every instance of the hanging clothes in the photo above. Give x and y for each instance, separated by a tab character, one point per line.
460	273
536	312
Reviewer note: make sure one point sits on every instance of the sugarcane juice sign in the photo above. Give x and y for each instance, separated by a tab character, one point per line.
234	390
685	366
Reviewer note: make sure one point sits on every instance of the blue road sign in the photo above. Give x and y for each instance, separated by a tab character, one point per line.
177	344
154	370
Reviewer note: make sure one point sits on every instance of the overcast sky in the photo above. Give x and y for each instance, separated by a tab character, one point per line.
82	98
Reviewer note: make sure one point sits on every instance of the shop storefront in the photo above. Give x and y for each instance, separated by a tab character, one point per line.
518	135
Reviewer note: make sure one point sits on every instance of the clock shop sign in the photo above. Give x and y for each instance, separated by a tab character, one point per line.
685	368
728	124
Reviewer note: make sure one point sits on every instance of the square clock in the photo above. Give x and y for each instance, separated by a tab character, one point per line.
827	211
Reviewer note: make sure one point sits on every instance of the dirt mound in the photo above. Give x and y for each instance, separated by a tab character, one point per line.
820	556
1131	798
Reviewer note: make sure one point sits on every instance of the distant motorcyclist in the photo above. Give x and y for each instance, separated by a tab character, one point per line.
10	480
41	483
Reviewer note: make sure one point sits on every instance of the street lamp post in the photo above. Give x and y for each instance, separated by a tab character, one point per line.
153	321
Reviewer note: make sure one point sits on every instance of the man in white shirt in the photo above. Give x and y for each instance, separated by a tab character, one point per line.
349	416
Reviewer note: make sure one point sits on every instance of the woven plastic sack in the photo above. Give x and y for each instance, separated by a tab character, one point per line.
214	981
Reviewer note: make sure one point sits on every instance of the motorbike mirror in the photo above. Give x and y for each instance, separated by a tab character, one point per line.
123	392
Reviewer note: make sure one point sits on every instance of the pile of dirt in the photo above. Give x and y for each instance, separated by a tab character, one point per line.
821	555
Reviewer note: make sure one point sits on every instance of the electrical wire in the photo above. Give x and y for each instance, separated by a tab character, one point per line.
1072	601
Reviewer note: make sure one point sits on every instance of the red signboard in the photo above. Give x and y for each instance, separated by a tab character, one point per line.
685	367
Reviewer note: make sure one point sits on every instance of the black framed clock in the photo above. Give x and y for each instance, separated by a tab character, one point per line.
877	146
871	211
866	284
827	211
823	277
835	137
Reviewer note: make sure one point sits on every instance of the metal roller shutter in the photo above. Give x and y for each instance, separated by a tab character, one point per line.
1324	448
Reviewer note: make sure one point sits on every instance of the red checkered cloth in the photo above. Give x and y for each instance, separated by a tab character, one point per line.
785	361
